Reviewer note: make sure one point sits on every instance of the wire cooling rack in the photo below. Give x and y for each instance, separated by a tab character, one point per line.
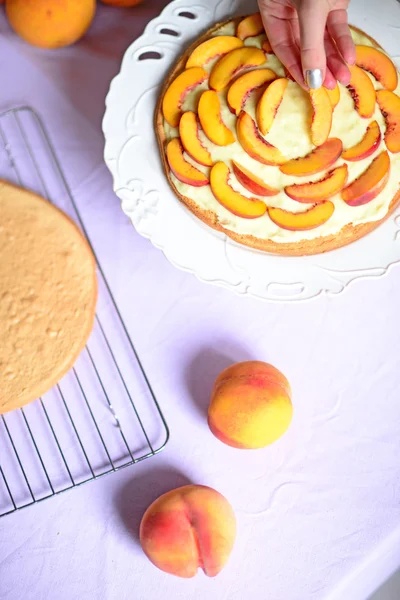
103	415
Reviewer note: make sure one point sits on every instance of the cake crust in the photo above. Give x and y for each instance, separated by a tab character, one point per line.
48	291
348	234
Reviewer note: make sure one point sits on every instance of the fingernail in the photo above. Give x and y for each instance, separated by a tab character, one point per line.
313	78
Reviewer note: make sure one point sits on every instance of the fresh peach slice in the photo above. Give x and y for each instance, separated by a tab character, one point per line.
389	103
175	95
255	146
248	208
321	122
189	132
318	191
334	95
370	183
211	121
251	182
232	63
269	104
318	160
216	46
367	146
244	85
378	64
266	46
250	27
362	91
181	168
315	216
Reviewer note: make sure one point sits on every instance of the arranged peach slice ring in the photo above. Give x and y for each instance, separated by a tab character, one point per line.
189	133
362	91
240	90
378	64
232	63
250	27
269	104
321	120
251	182
248	208
212	48
255	146
334	95
367	146
209	110
181	168
318	191
315	216
370	183
318	160
389	103
177	91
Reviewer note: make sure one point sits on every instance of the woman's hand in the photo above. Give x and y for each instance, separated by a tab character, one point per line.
311	38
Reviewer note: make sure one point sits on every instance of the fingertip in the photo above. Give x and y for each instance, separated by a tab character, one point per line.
343	75
329	81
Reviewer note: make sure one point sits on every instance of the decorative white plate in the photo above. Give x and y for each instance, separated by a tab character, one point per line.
132	156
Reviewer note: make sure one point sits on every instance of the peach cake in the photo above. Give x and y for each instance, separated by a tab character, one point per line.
271	165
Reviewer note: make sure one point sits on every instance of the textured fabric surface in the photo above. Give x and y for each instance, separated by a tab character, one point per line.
318	512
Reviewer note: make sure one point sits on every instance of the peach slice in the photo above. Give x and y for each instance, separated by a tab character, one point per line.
266	46
250	27
232	63
367	146
181	168
244	85
321	122
216	46
248	208
188	528
318	191
250	405
211	121
315	216
378	64
389	103
251	182
334	95
255	146
269	104
189	132
362	91
175	95
367	187
319	159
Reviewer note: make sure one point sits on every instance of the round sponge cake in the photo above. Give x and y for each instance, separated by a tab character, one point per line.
48	292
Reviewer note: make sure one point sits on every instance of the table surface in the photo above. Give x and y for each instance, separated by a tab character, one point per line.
318	512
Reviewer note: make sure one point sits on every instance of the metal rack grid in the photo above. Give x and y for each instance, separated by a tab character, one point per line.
103	415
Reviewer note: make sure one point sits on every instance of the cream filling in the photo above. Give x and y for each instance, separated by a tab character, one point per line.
291	134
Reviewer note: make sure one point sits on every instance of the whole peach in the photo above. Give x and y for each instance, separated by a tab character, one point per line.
50	23
190	527
250	405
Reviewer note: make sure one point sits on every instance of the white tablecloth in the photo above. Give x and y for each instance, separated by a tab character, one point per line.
318	512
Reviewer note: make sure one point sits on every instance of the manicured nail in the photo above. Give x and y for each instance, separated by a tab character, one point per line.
313	78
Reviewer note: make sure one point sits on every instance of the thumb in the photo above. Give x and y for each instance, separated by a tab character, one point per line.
313	15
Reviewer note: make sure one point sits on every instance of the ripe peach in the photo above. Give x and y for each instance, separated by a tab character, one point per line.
313	217
250	405
190	527
50	24
247	208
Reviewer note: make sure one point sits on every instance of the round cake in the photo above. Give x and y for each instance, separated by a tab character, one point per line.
275	167
48	292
